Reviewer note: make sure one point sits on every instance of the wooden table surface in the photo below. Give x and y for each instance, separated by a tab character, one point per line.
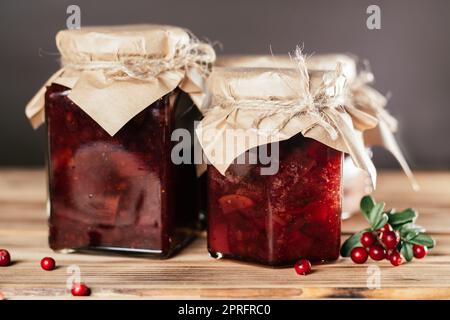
193	274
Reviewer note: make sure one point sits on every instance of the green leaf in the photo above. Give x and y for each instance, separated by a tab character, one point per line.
410	228
411	235
366	205
376	214
381	222
401	218
407	251
424	240
352	242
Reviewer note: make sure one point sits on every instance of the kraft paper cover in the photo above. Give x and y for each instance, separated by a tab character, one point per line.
116	72
265	105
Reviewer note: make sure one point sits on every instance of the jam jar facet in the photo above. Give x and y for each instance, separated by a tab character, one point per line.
281	218
118	192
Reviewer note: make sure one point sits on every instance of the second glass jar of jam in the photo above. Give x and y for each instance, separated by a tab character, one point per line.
276	217
110	114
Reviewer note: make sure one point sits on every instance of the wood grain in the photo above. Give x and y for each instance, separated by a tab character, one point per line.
193	274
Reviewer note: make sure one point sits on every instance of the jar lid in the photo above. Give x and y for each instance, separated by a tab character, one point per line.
254	83
254	61
111	43
269	84
325	62
319	62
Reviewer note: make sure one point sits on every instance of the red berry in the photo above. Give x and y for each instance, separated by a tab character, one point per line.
396	259
48	263
303	267
419	251
390	239
377	252
389	253
80	290
385	228
359	255
367	239
5	258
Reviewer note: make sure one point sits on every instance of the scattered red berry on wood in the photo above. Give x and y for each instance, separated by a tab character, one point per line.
396	259
48	263
367	239
390	239
385	228
377	252
419	251
80	290
359	255
303	267
5	258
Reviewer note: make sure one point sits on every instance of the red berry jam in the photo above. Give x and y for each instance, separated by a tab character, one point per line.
278	219
122	192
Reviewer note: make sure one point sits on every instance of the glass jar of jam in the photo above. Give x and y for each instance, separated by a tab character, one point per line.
277	219
113	184
121	192
292	212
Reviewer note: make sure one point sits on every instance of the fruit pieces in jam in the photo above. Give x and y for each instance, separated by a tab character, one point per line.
281	218
120	192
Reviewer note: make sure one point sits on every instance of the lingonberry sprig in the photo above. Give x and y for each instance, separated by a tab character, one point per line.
392	235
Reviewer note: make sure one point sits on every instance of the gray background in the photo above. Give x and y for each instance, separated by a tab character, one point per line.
410	55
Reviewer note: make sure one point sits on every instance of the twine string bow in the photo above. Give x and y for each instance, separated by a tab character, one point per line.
196	55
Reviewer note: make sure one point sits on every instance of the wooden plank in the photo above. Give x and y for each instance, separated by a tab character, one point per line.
22	186
193	274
